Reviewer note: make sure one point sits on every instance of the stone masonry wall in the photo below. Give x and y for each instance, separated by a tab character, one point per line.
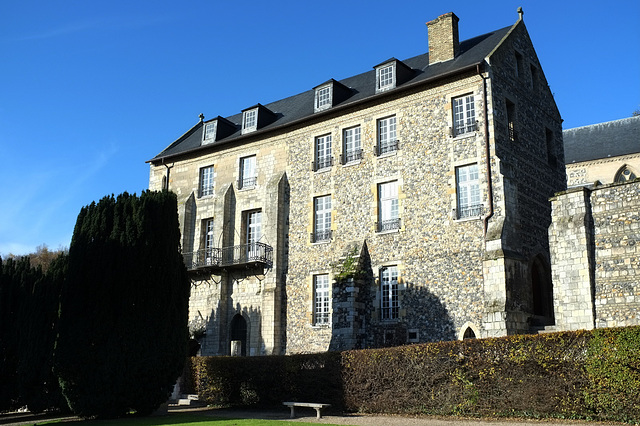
595	247
439	258
254	294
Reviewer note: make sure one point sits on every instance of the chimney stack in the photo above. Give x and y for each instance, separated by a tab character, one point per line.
443	38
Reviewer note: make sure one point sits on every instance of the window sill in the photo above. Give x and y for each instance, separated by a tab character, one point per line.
316	243
206	197
467	219
321	326
465	135
247	188
352	163
389	231
388	154
323	170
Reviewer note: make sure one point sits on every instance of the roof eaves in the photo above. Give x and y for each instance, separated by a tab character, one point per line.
373	98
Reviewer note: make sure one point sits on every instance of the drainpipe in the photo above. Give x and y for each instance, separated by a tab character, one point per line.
487	150
166	187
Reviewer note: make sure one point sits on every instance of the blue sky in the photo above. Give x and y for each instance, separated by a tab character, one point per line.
90	90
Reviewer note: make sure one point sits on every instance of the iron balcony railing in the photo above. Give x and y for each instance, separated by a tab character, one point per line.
462	128
388	225
247	183
322	163
320	236
253	254
350	156
390	146
465	212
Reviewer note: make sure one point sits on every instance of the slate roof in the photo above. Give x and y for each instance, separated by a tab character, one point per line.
603	140
300	107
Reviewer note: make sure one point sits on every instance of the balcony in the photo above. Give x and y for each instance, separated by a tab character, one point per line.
387	147
388	225
463	128
218	259
471	211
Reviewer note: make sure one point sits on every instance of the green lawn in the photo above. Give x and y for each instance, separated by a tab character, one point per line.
178	419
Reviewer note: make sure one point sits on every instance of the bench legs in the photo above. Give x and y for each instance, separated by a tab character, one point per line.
293	412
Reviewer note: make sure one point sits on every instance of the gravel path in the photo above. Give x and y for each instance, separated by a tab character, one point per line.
309	416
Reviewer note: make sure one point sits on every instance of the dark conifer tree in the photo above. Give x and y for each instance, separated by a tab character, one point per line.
9	296
38	387
124	307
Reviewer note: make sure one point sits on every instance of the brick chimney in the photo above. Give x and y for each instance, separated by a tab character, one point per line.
443	38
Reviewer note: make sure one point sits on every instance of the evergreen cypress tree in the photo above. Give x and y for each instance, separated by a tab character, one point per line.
37	318
124	307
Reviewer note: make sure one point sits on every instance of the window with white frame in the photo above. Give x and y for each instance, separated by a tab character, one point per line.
323	98
385	77
254	233
468	192
321	299
210	132
388	218
389	302
387	141
321	219
249	120
208	242
248	174
464	115
323	158
206	181
352	150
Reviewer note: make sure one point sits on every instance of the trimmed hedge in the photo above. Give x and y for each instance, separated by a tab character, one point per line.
583	374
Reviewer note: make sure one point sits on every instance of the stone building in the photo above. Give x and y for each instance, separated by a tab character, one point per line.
409	203
595	231
604	153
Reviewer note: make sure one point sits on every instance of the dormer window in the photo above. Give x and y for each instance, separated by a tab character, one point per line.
249	120
256	117
209	134
329	94
323	98
385	78
390	74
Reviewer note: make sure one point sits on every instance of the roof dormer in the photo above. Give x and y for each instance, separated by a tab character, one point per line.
391	74
216	129
329	94
256	117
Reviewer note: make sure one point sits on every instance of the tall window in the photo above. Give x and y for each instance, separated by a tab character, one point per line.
388	218
321	219
468	192
352	148
254	233
387	141
323	98
247	172
321	299
206	181
551	147
519	65
464	115
390	304
249	120
511	121
210	131
209	250
323	153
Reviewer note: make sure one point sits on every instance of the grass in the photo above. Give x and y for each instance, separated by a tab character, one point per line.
176	419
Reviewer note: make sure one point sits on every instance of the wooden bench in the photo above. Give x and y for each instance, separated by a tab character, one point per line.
315	405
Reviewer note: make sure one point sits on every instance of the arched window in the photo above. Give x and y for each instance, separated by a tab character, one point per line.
625	174
469	334
239	334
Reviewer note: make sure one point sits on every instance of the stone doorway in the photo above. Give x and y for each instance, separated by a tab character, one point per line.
238	336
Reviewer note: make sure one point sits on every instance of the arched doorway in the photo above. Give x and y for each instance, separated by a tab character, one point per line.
542	290
238	335
469	334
